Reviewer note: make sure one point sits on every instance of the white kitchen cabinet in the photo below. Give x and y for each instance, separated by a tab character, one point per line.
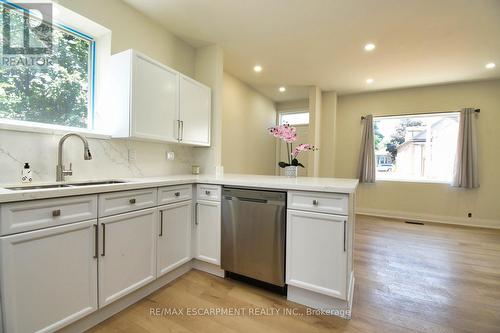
208	231
150	101
144	98
194	112
48	277
174	236
316	252
127	259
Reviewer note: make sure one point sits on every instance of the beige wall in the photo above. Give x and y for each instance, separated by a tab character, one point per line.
426	200
246	115
314	131
328	134
131	29
299	104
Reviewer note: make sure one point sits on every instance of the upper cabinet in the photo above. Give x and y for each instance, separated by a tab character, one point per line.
195	112
151	101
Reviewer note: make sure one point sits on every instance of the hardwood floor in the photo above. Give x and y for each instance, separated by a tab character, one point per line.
409	278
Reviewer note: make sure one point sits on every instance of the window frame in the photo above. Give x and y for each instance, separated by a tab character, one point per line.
282	113
30	126
412	116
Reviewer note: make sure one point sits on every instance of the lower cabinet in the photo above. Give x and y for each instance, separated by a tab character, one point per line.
174	236
127	259
49	277
316	253
207	231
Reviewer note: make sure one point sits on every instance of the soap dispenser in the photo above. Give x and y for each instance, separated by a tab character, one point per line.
26	173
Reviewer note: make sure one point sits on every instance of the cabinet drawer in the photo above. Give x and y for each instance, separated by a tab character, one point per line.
126	201
31	215
208	192
333	203
171	194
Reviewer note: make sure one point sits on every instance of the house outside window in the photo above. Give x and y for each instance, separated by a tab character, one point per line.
46	80
417	147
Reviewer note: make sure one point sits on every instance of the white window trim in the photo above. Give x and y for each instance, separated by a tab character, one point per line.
27	126
294	111
102	39
412	180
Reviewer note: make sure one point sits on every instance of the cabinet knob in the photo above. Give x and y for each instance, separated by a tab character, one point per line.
177	194
207	192
315	202
132	201
56	213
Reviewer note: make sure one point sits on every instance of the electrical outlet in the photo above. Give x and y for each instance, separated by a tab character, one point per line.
170	156
131	155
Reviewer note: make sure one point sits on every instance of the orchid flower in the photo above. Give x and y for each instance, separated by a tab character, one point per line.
288	134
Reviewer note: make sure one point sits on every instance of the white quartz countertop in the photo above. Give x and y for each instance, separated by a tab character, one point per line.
334	185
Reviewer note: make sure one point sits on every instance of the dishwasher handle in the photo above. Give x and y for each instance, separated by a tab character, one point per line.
264	201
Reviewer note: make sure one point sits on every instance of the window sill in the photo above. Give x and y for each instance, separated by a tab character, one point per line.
410	180
49	129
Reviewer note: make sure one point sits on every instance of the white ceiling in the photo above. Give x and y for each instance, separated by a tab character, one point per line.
320	42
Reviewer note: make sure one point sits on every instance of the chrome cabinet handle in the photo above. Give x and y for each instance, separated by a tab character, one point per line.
182	130
345	222
177	194
103	240
132	201
96	240
161	224
196	214
178	130
315	202
56	213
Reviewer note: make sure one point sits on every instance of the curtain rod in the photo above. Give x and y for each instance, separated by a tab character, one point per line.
416	114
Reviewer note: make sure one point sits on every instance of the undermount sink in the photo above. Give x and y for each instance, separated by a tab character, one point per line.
53	186
104	182
36	187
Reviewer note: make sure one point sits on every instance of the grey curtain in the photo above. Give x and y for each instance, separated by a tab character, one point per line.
466	173
366	172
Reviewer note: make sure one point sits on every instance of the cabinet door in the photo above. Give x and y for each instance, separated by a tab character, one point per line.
174	237
128	253
48	277
316	257
195	112
155	95
207	230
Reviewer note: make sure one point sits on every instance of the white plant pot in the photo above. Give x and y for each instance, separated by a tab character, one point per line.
291	171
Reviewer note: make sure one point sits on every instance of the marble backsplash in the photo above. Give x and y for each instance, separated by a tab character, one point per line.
112	158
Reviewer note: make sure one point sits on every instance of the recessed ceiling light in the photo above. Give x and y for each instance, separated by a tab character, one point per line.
370	81
257	68
369	47
490	65
282	89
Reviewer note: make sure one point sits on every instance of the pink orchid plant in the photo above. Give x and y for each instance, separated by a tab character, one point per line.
288	134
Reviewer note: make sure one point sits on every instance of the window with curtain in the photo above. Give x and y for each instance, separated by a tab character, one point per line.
416	147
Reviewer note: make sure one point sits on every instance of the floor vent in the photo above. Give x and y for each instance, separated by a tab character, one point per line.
414	222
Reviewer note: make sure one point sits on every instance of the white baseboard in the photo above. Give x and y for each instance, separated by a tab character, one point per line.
470	222
207	267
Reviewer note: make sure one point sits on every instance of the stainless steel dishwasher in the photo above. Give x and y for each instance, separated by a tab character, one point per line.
253	234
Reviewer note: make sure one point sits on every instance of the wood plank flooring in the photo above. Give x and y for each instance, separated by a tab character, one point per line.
409	278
